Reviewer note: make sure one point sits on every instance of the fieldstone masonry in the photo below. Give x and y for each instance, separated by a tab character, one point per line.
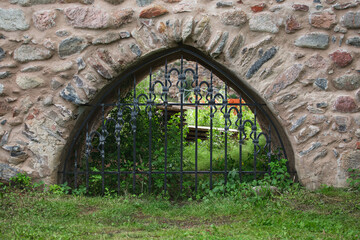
300	56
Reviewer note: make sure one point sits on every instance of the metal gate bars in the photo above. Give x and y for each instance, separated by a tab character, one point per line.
139	143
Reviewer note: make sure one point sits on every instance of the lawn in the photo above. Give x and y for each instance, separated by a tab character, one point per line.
297	214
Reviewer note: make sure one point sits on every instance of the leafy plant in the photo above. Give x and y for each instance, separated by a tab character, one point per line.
21	180
279	176
80	191
59	189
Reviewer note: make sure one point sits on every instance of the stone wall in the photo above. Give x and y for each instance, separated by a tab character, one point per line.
300	56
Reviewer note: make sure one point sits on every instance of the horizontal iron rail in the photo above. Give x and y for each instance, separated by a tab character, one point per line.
162	172
172	104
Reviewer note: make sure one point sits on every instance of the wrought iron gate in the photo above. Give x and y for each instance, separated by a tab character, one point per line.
99	155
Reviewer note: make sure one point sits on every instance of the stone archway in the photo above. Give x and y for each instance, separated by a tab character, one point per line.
55	64
91	126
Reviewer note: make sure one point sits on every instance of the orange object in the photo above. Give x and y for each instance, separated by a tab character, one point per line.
234	101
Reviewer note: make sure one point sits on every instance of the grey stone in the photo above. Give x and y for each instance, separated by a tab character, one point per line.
5	138
286	98
339	6
28	82
27	3
29	134
321	83
342	123
263	22
214	41
187	28
313	40
48	100
4	74
27	53
333	39
353	41
13	20
62	33
142	3
108	38
318	7
15	121
341	40
322	105
224	4
201	25
81	63
124	34
218	50
62	67
204	37
114	2
17	157
177	31
306	133
1	89
135	49
71	46
321	154
235	45
295	125
347	82
2	54
78	81
340	29
32	69
351	160
315	110
7	172
351	20
314	145
269	54
69	94
55	84
234	17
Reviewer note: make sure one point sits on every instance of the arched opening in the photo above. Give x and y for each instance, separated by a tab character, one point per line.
122	122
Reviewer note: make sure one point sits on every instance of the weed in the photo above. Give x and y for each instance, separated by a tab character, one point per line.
59	189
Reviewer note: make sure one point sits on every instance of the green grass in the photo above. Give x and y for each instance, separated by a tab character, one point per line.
325	214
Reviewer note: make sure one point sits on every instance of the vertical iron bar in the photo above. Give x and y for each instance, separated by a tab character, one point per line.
181	123
240	140
269	149
226	109
75	170
211	131
150	134
166	115
196	128
226	105
134	140
87	158
255	150
118	147
102	151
